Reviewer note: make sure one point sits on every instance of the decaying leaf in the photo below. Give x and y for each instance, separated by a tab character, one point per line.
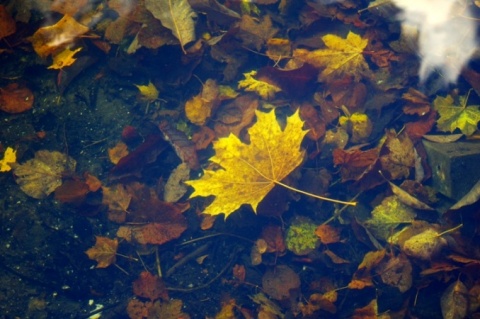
9	157
342	57
387	216
354	163
453	115
358	125
424	245
396	271
199	108
40	176
363	276
280	283
250	84
150	286
397	155
116	153
249	171
454	301
176	15
327	234
118	199
255	33
7	23
175	188
15	98
104	251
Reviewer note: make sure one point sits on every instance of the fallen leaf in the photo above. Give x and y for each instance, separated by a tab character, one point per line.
236	115
358	125
313	120
407	198
72	191
265	90
254	33
370	311
183	146
176	15
48	40
454	301
9	157
416	103
470	198
7	23
250	171
116	153
453	115
150	287
40	176
64	58
354	163
342	57
203	138
104	252
278	49
328	234
295	83
239	272
397	156
118	199
425	245
15	98
148	93
175	188
396	271
280	283
200	107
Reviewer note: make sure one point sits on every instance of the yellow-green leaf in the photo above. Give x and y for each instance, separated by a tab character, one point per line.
453	115
249	171
264	89
148	92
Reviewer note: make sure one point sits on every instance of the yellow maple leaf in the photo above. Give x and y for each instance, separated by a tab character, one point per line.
453	116
250	171
9	157
264	89
341	57
64	58
148	92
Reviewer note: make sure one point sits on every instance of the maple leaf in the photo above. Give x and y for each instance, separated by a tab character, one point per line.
250	171
264	89
453	116
341	57
104	251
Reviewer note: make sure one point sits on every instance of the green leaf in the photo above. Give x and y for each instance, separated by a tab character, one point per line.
453	116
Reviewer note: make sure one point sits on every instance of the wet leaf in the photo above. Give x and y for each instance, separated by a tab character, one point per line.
250	171
354	163
454	301
170	309
228	310
396	272
175	187
342	57
200	107
370	311
64	58
9	157
328	234
387	216
7	23
150	286
40	176
407	198
118	199
176	15
453	115
15	98
280	283
250	84
48	40
116	153
416	103
148	92
470	198
182	145
236	115
239	272
424	245
104	252
72	191
358	125
70	7
397	155
254	33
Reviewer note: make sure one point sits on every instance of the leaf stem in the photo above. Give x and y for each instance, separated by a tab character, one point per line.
315	196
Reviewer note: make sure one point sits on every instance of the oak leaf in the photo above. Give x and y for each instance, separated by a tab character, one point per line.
104	251
453	115
250	84
9	157
249	171
342	57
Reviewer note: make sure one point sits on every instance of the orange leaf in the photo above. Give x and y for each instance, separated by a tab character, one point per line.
328	234
239	272
117	152
70	7
104	251
150	287
48	40
354	163
15	98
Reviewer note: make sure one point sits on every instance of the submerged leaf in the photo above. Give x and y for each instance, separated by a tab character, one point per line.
104	251
453	116
250	171
265	90
9	157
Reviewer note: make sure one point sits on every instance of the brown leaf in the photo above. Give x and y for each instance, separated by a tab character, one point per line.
470	198
397	156
254	33
328	234
158	234
104	252
93	183
396	272
354	163
116	153
183	146
296	83
203	138
118	200
239	272
15	98
236	115
7	23
416	103
280	283
408	199
314	121
72	191
273	236
454	301
370	311
417	129
70	7
150	286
